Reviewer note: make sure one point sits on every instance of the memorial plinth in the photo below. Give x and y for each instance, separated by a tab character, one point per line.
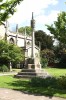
30	73
32	65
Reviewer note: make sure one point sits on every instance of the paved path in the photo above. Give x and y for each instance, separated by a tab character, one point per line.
8	94
8	73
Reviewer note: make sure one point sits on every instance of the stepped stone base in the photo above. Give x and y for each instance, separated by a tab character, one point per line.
29	73
33	66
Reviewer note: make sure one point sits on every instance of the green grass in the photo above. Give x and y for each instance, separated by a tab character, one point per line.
9	81
13	70
56	71
16	70
25	86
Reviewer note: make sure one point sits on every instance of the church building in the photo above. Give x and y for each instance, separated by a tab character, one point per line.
22	41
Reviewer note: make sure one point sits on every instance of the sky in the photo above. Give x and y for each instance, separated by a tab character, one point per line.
45	12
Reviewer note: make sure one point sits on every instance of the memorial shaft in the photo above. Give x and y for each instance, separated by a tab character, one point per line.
33	37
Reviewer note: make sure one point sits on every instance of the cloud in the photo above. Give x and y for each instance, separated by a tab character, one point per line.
25	9
47	19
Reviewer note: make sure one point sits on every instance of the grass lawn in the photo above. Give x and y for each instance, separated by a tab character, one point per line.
56	71
25	86
16	70
11	82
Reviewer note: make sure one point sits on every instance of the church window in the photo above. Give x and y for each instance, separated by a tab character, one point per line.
11	40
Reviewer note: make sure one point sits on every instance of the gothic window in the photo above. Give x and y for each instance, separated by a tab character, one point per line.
11	40
28	42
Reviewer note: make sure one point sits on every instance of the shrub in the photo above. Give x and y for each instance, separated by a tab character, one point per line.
51	82
48	57
61	82
4	68
62	62
43	82
44	62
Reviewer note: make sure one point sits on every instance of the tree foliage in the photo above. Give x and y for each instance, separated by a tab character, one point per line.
45	40
58	29
10	52
7	8
27	28
48	55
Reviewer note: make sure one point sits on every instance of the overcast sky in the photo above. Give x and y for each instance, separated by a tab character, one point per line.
45	12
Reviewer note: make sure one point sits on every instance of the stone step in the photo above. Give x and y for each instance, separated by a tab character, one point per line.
25	76
32	73
29	73
26	73
32	70
31	76
28	70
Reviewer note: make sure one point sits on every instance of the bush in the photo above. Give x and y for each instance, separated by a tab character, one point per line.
44	62
62	62
51	82
4	68
61	82
43	82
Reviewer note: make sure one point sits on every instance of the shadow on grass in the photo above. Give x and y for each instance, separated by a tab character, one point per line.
38	86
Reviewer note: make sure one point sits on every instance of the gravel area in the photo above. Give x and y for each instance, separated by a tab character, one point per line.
8	94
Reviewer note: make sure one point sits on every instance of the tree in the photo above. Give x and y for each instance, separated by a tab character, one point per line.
15	53
60	56
47	57
58	29
45	40
7	8
28	30
10	53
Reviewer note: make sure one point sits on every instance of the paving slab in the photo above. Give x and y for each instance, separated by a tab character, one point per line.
8	94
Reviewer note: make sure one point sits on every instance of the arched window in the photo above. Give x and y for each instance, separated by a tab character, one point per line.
11	40
28	42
